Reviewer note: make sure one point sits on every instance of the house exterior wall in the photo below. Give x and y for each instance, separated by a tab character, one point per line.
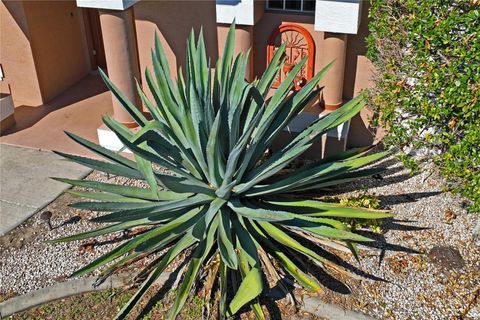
173	26
16	55
177	19
43	49
243	42
58	44
355	47
44	45
359	75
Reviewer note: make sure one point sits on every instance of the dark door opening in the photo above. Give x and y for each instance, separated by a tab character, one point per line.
94	39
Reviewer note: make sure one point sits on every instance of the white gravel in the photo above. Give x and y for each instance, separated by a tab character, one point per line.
418	289
28	263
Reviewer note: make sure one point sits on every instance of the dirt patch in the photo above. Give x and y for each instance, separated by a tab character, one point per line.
105	305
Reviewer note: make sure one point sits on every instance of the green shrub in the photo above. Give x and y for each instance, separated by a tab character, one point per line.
225	205
427	54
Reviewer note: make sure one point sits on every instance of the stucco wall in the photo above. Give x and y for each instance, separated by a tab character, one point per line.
16	56
358	76
358	69
58	44
173	21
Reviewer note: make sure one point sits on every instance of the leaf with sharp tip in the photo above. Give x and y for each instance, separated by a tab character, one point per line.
191	274
326	209
132	110
104	196
112	168
250	287
225	242
306	281
281	237
171	254
151	108
101	231
227	57
113	206
348	176
324	231
104	152
271	71
163	234
312	174
127	191
153	211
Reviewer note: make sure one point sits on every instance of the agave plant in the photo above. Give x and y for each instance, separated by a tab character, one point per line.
223	203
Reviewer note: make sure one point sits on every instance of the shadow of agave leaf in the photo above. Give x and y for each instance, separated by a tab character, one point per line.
161	294
329	281
406	197
391	225
381	243
335	259
276	292
72	220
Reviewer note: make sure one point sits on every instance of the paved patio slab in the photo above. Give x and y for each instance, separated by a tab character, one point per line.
25	184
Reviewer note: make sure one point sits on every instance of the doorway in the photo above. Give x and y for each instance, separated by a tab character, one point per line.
94	39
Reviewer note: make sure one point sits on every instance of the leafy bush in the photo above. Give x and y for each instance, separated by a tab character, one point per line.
428	89
225	206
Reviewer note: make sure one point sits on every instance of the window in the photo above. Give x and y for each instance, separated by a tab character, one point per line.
292	5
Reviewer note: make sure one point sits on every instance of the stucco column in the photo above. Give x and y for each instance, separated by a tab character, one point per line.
335	48
118	31
243	42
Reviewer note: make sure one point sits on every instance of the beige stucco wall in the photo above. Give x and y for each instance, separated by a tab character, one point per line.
243	42
359	76
358	69
16	56
43	49
173	21
58	44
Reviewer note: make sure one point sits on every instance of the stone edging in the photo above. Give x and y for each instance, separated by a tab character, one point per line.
66	289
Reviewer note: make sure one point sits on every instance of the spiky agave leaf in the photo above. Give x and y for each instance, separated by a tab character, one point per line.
220	199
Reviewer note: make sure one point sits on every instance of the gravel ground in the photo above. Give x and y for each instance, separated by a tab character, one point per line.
417	286
28	263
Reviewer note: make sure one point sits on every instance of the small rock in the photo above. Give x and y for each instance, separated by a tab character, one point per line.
476	230
447	257
476	233
47	216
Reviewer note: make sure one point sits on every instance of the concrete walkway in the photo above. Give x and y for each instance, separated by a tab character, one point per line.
78	110
25	184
